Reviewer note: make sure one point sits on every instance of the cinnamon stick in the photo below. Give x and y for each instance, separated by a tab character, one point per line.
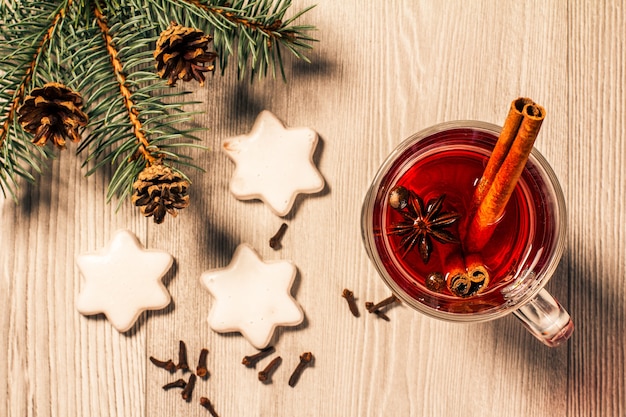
477	273
501	149
465	276
494	202
453	265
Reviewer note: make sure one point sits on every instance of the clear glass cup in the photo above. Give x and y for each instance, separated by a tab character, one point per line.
539	242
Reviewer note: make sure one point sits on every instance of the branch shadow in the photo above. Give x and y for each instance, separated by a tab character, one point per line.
209	236
318	68
36	196
243	106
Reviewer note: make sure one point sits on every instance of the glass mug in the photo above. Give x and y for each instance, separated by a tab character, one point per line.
522	255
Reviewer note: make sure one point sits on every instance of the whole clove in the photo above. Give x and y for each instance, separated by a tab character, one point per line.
377	308
370	307
182	357
384	303
275	240
204	401
179	383
188	390
168	365
250	361
266	374
305	360
201	369
349	296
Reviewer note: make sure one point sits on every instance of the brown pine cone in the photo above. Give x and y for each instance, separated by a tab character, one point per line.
159	190
181	53
53	112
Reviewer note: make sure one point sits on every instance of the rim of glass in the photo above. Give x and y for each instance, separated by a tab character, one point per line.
367	233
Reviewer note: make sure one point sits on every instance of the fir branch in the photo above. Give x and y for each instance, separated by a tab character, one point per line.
134	115
21	57
102	51
258	27
18	95
118	67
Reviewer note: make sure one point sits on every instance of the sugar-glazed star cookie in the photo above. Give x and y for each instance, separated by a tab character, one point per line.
273	163
123	280
252	296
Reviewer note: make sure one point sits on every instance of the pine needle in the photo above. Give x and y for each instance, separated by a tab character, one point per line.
103	49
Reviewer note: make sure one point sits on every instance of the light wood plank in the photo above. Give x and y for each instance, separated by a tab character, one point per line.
408	67
597	201
381	71
57	361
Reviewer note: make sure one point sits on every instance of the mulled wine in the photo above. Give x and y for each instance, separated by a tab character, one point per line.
445	163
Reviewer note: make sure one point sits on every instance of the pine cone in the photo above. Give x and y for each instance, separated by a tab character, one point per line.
181	53
158	191
53	112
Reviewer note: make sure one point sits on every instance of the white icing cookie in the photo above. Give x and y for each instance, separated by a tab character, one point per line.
122	280
252	296
273	163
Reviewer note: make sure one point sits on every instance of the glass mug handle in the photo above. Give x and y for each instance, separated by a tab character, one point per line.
545	319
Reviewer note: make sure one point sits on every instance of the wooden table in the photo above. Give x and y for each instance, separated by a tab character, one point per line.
381	71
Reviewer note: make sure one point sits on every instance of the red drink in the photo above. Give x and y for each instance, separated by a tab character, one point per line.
451	161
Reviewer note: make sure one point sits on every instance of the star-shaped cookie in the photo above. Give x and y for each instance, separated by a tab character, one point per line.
123	280
273	163
252	296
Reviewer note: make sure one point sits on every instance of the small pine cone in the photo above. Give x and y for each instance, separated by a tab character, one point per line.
53	112
181	53
158	190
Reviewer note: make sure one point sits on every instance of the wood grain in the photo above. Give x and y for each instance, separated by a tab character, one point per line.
597	201
381	71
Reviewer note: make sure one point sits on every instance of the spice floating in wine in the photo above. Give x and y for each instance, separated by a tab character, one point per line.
454	170
501	148
436	282
490	205
502	176
422	222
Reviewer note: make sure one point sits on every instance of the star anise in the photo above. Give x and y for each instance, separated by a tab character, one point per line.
423	223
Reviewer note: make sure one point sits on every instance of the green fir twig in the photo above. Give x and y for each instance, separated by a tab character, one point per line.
103	49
